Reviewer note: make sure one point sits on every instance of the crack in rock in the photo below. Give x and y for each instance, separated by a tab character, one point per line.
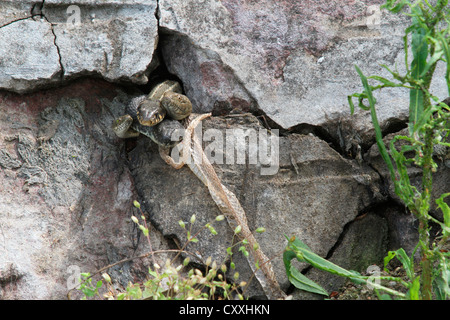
113	41
39	11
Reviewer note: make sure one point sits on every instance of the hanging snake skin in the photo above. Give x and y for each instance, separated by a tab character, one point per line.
140	118
226	201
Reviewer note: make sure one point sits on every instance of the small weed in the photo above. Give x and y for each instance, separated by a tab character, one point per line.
171	281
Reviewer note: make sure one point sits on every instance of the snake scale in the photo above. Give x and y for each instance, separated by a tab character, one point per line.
194	157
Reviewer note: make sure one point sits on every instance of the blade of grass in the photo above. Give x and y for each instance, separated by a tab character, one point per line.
378	134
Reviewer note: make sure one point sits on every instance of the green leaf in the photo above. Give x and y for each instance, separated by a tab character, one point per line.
99	284
304	254
438	288
393	7
386	82
300	251
414	290
378	134
419	49
446	50
433	60
352	106
301	282
441	283
415	108
152	273
445	208
88	292
407	262
295	276
424	117
384	296
391	255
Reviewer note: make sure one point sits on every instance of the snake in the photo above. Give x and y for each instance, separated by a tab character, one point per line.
194	157
155	115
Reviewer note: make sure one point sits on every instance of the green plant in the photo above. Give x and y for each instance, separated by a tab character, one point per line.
298	250
428	37
87	287
171	282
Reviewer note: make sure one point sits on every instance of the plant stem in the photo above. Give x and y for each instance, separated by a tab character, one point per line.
427	181
426	277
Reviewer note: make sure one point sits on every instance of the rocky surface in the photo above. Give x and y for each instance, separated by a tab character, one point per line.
47	42
295	59
68	183
66	194
298	200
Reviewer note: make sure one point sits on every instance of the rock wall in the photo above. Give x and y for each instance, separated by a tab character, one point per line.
67	70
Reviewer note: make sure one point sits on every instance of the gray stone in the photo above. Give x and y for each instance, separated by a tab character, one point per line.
112	39
211	85
31	62
294	59
15	11
298	199
403	232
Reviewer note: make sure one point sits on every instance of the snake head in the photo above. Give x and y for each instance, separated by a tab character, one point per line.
150	112
121	127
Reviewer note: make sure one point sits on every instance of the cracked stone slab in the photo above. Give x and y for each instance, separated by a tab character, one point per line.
294	58
14	10
113	39
29	62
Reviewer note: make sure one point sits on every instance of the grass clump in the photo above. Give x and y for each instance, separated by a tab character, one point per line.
171	281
